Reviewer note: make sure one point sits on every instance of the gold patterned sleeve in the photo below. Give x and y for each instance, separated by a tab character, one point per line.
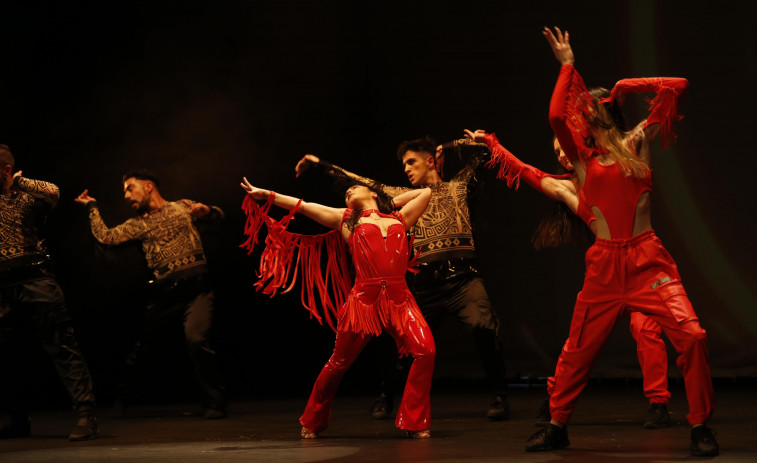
46	191
337	172
132	229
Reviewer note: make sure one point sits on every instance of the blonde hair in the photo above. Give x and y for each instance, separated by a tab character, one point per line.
616	142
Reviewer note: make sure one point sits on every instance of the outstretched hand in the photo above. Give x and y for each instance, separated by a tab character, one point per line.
560	43
479	136
254	192
197	209
84	198
304	164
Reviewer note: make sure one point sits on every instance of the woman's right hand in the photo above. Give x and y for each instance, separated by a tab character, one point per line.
254	192
560	43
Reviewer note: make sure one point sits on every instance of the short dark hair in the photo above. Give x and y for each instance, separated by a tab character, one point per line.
421	145
142	174
6	157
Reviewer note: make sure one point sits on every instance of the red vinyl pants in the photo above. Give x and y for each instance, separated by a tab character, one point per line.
636	275
414	413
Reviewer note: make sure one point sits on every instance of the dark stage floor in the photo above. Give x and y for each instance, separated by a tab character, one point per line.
607	426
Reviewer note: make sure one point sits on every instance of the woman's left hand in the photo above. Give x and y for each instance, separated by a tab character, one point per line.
254	192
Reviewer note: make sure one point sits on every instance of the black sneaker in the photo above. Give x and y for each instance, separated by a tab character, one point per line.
544	416
703	443
499	410
657	417
382	407
16	428
550	438
85	429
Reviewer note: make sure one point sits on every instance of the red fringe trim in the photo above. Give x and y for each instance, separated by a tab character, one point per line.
664	109
511	169
504	159
284	248
371	319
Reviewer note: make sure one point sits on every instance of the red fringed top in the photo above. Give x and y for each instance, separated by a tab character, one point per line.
605	187
329	286
379	297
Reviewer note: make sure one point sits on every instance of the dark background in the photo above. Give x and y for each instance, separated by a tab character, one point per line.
205	92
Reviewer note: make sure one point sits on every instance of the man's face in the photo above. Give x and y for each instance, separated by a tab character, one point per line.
418	166
6	178
137	193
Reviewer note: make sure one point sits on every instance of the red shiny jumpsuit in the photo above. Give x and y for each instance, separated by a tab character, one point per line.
624	274
379	301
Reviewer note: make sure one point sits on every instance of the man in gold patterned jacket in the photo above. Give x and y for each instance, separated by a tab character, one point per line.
180	290
449	283
32	304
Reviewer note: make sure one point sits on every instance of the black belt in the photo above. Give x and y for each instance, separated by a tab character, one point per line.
444	270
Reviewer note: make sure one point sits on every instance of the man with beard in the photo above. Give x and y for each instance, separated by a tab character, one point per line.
32	304
180	290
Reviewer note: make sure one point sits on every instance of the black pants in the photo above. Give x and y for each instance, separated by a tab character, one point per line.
190	302
453	288
36	309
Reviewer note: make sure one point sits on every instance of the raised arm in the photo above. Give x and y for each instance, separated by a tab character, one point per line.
327	216
663	107
413	204
568	98
132	229
46	191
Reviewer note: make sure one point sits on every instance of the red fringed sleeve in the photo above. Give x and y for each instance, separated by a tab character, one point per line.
512	169
568	111
284	249
663	107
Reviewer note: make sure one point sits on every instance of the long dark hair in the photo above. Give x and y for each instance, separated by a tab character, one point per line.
383	201
561	227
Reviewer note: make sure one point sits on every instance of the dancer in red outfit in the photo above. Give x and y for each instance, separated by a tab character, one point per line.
564	188
627	268
379	299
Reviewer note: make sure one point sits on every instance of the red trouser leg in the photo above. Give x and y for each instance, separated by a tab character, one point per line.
318	410
589	329
414	413
659	294
653	358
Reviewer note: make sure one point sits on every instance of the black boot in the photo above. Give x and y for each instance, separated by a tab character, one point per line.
382	407
499	410
550	438
657	417
703	443
85	429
